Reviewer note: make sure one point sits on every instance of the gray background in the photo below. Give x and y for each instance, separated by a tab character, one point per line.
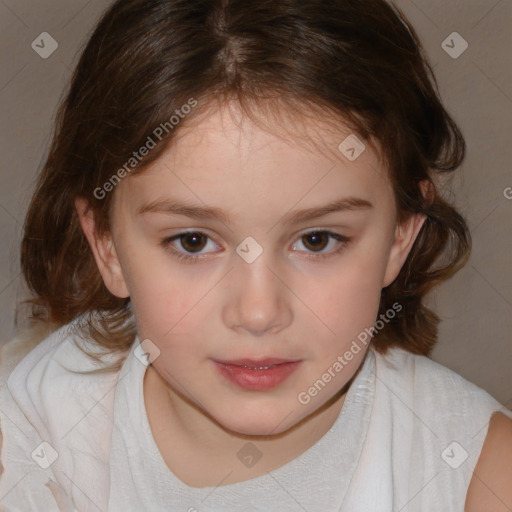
475	305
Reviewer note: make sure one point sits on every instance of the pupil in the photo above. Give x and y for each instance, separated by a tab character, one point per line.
318	236
197	241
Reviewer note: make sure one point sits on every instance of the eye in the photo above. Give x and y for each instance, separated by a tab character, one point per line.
318	240
191	241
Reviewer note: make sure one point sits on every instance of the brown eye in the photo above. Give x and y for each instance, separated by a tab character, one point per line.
193	241
316	240
320	244
189	246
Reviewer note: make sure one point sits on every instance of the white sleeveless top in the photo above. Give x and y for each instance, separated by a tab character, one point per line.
408	438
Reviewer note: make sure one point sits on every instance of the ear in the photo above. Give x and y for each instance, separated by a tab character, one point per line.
104	251
405	235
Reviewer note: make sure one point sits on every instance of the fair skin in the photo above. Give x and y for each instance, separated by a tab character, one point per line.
288	303
491	484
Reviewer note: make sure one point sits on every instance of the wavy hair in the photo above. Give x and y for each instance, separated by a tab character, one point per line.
360	61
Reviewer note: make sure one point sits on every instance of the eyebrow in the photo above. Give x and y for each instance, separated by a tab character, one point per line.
170	207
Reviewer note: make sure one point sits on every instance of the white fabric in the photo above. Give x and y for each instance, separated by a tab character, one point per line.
390	449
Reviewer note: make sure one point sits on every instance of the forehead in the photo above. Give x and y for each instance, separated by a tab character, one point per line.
227	129
225	154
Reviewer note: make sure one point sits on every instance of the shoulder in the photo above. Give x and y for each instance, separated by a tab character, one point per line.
451	406
45	376
431	383
19	438
51	385
436	407
490	487
16	348
49	394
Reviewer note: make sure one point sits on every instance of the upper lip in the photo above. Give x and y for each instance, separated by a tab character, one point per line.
257	363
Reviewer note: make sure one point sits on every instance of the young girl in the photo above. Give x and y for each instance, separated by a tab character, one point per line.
229	246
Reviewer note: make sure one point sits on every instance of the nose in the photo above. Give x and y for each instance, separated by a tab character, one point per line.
259	300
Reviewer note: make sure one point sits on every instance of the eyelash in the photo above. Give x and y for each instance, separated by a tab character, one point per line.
186	258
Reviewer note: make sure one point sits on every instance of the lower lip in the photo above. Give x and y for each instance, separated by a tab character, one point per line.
257	380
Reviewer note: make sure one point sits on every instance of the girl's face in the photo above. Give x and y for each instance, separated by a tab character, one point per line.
251	308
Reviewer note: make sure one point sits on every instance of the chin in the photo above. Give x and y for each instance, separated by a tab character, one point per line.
250	429
258	423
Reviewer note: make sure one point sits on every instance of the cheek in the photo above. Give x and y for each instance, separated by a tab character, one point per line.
152	298
169	300
349	299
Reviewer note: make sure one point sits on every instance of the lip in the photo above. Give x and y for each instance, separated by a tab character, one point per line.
257	374
256	363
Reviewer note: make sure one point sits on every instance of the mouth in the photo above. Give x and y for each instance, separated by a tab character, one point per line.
257	375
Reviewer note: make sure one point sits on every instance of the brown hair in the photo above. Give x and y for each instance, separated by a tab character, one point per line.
358	60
